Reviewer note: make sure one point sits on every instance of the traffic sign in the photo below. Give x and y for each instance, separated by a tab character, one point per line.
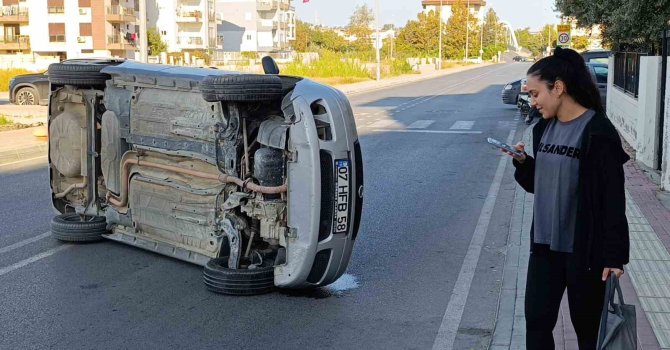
564	37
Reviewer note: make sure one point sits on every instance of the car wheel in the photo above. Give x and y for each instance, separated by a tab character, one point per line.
241	88
223	280
80	74
26	96
73	227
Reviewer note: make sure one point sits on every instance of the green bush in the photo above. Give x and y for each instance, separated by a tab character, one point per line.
7	74
399	67
329	65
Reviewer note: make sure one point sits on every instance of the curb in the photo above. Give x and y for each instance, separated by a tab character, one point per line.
351	89
25	153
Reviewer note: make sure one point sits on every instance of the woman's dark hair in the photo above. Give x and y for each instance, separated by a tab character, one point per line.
569	67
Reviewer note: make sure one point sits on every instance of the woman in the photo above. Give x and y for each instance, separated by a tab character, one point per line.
580	232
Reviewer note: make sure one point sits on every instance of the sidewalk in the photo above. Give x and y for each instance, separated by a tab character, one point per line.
645	284
19	145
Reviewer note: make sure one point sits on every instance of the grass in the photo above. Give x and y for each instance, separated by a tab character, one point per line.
328	66
5	121
7	74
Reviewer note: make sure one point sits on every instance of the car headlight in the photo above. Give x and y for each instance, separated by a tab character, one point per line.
508	87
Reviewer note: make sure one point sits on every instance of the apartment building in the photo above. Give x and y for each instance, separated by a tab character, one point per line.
69	28
184	25
256	25
475	7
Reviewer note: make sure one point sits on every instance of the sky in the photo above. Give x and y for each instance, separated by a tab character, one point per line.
520	13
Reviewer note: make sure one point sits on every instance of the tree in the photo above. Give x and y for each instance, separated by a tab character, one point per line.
303	32
156	43
494	36
632	21
580	43
420	37
360	26
454	43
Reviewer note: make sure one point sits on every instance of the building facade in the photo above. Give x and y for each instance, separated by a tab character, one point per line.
69	28
475	7
256	25
184	25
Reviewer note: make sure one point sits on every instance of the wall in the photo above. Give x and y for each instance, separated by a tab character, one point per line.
665	173
637	119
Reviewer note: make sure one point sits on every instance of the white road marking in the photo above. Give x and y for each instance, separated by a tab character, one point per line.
429	131
17	245
420	124
23	161
463	125
32	259
459	296
382	123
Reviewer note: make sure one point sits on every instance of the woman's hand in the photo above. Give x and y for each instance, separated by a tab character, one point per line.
519	147
608	270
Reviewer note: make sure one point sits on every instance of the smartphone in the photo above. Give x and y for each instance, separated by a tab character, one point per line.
504	146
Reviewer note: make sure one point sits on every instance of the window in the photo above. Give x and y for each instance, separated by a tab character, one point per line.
85	29
56	6
84	3
57	32
248	36
601	74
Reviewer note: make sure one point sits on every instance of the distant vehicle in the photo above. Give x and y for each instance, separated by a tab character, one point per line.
599	72
518	59
596	56
510	93
29	89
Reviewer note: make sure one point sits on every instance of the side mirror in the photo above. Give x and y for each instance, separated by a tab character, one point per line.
269	65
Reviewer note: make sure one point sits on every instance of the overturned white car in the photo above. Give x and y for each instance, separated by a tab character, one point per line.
258	178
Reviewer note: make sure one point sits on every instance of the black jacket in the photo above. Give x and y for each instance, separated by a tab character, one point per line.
601	237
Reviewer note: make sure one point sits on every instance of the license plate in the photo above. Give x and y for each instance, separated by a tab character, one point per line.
342	194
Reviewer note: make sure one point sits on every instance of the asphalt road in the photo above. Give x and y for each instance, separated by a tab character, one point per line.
431	187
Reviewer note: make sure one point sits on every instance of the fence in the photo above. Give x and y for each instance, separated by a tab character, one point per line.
627	71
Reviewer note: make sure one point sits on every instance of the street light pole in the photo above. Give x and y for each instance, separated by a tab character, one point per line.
439	60
377	42
467	30
143	32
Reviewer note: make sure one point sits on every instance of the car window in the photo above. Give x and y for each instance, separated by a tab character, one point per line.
604	60
601	74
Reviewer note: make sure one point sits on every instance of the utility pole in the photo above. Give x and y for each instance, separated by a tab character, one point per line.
481	43
439	60
377	43
467	31
144	53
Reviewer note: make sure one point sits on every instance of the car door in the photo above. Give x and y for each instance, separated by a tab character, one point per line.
601	73
42	85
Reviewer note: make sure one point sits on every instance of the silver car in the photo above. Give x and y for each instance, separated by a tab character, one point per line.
258	178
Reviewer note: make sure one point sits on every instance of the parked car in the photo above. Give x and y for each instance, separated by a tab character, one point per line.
258	178
29	89
599	72
596	56
510	93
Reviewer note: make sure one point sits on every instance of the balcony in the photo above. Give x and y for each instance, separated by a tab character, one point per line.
13	14
16	43
189	16
121	14
284	5
267	24
118	42
266	5
191	42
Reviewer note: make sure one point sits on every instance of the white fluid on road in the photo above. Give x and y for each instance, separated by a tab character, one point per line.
344	283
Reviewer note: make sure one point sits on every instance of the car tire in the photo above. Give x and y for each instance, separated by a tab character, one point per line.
26	96
241	88
80	74
72	227
220	279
